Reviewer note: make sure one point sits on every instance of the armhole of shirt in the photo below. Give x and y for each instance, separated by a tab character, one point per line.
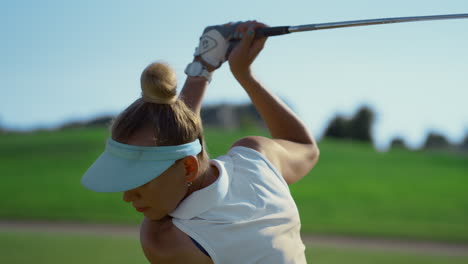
263	158
199	242
200	247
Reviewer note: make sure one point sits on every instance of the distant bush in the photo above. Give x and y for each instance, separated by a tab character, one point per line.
463	147
357	128
361	124
338	128
435	141
398	143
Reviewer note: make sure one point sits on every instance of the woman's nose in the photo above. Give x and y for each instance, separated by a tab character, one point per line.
129	196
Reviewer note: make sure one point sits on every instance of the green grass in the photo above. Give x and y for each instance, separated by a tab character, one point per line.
52	248
357	191
327	255
353	190
57	248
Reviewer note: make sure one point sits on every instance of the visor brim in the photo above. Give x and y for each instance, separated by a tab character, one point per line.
110	173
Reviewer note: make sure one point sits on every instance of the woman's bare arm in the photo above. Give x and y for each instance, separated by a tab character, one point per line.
162	242
293	149
194	90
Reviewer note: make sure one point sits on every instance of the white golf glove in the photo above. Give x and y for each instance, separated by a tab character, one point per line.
215	44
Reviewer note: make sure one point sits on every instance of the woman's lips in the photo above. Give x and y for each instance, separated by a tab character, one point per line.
141	209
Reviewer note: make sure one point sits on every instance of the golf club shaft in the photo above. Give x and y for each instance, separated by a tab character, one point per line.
276	31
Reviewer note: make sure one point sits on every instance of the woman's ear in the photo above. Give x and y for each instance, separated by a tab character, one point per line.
191	168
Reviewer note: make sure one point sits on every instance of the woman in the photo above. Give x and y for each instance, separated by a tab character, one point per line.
233	209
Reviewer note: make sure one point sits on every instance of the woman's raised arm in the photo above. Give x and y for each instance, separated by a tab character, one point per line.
209	55
193	91
293	149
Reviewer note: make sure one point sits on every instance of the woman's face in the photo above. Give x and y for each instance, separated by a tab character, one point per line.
159	197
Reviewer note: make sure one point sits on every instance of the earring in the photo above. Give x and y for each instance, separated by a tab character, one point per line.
189	184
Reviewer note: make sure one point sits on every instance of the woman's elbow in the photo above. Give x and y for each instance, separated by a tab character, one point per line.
313	155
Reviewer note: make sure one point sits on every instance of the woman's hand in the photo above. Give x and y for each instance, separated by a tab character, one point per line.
214	45
243	55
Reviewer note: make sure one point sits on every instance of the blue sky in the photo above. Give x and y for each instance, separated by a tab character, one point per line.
72	60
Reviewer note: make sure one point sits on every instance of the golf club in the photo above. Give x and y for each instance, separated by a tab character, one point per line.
276	31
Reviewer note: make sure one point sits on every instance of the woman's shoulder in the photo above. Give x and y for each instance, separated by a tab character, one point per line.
291	159
255	148
247	159
250	147
163	242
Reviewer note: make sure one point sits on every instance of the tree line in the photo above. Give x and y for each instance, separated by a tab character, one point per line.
359	128
242	116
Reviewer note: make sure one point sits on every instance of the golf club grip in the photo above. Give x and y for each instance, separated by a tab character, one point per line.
271	31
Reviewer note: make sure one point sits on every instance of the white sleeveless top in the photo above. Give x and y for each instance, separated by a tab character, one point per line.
246	216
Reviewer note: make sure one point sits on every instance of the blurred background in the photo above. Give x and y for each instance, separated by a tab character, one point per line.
387	104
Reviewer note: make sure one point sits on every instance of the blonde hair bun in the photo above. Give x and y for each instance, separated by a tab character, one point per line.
158	84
